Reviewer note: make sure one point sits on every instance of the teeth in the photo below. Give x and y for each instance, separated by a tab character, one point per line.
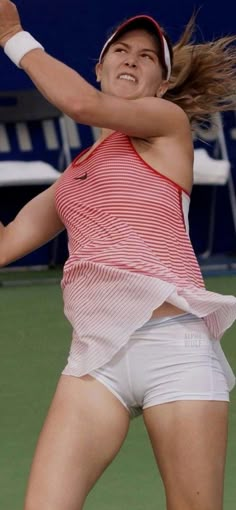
126	77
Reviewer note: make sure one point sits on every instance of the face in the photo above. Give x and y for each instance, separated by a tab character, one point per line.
131	68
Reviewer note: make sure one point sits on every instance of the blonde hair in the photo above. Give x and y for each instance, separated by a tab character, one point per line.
203	78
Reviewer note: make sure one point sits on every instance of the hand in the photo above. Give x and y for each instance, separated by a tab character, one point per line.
10	22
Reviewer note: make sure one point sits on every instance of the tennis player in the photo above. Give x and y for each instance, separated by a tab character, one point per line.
146	332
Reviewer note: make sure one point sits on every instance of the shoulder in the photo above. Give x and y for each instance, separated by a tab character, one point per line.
170	111
167	118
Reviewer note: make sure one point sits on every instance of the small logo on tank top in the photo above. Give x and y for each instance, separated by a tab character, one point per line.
82	178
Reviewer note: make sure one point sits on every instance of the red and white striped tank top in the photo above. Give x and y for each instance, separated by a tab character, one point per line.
129	252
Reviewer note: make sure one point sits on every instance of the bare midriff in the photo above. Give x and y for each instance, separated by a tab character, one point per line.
166	310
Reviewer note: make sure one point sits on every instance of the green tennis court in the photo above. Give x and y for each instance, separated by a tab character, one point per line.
35	338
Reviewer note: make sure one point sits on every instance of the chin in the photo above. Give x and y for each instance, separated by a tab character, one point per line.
127	95
124	94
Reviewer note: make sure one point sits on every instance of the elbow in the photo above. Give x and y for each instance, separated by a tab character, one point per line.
75	112
3	261
83	109
3	247
3	258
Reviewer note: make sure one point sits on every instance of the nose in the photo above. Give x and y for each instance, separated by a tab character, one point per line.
132	65
131	61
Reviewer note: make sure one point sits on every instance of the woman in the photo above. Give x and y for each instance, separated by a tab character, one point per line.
145	331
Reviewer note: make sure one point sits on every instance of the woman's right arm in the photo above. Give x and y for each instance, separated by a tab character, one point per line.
36	224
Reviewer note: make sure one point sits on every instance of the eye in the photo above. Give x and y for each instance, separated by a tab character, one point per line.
146	56
120	50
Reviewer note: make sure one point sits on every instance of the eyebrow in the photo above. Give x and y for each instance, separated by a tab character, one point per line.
143	49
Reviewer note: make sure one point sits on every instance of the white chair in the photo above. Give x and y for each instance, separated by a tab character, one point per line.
24	112
215	172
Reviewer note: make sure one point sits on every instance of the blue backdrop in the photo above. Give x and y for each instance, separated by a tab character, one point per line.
74	31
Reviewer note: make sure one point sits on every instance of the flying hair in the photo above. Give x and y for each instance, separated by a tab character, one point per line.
203	79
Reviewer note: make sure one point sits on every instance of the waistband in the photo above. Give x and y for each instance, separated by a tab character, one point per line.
183	317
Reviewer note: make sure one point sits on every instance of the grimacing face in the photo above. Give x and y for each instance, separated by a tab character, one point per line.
131	67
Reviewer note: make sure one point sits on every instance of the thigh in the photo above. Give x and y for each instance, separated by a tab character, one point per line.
189	441
85	428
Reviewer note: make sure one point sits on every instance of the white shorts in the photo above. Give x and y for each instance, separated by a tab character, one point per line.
165	360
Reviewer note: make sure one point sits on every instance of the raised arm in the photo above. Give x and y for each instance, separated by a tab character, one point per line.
84	103
35	225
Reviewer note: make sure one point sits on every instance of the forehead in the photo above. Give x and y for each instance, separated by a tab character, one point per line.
138	35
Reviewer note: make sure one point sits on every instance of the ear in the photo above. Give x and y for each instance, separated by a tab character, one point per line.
98	70
162	89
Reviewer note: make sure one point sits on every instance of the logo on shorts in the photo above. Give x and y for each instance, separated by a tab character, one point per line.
192	339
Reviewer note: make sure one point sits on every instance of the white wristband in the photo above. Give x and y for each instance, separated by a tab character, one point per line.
20	44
